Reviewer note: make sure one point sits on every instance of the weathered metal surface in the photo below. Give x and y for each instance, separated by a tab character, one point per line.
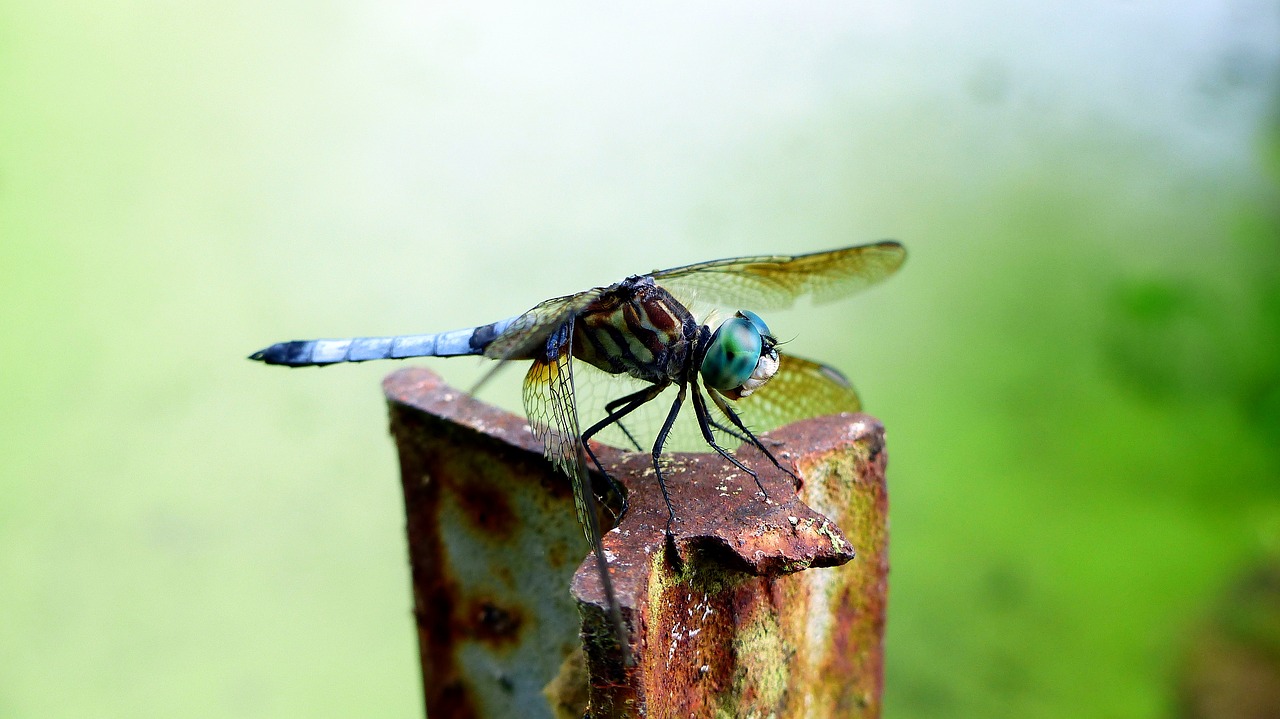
721	622
492	545
730	628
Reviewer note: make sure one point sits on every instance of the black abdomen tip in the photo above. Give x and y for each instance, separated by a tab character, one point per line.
291	354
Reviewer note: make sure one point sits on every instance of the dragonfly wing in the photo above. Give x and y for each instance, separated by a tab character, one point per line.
776	281
549	401
595	388
528	334
801	389
553	417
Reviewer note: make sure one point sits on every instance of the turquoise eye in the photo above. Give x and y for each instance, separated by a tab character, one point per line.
732	354
761	327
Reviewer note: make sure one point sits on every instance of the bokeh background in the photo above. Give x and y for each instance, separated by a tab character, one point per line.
1079	366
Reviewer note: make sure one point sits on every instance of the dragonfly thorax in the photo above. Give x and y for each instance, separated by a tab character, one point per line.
636	327
740	357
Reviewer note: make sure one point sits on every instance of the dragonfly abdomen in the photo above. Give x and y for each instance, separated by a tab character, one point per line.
308	353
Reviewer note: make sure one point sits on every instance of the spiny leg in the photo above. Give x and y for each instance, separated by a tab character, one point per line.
704	424
617	409
657	453
639	447
615	487
608	408
737	422
731	431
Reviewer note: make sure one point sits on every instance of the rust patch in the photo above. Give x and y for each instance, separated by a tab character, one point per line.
433	598
722	620
491	623
485	506
492	629
691	630
732	626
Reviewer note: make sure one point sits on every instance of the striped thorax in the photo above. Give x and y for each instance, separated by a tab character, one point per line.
636	328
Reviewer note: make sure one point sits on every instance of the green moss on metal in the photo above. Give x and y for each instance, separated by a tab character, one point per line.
763	672
696	573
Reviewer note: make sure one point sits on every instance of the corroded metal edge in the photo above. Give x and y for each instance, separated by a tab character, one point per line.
492	544
725	622
720	620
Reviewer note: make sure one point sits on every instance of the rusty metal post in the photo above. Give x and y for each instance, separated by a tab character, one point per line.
722	620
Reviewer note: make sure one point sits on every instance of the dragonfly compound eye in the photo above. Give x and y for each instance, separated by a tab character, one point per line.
754	318
732	354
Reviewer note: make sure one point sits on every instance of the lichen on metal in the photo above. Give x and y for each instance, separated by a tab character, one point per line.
722	619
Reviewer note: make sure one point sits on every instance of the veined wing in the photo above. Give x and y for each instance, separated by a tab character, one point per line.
775	281
594	388
549	402
527	335
801	389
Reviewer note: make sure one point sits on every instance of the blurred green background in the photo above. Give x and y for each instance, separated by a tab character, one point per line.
1079	366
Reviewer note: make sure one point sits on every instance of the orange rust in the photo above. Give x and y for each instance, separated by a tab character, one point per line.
483	510
486	506
722	620
725	628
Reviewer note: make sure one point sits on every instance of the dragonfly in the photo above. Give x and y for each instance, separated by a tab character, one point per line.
638	329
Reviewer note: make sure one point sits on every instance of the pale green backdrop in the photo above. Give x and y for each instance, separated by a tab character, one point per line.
1078	366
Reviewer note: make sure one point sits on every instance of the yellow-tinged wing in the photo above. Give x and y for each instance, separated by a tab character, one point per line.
549	402
801	389
776	281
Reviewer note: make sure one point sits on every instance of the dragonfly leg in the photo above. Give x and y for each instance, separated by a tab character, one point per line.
657	453
705	422
608	408
630	438
614	486
731	431
616	410
751	437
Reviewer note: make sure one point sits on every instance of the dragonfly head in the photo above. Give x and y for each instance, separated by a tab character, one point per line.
741	356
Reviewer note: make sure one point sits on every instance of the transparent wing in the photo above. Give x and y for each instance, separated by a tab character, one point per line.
549	403
526	337
776	281
528	334
801	389
596	388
